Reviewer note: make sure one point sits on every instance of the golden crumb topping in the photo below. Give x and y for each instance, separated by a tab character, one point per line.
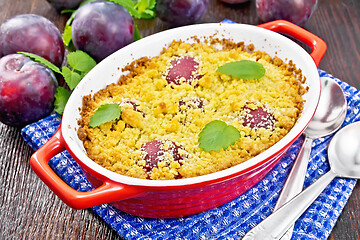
167	100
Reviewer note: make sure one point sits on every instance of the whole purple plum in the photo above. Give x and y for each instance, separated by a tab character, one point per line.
65	4
298	11
101	28
32	33
27	90
181	12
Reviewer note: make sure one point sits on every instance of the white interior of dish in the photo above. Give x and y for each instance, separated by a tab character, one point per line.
109	71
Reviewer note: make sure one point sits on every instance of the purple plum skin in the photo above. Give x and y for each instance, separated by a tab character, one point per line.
65	4
181	12
27	90
101	28
32	33
297	12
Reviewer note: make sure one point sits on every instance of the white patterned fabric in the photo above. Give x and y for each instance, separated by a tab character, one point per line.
231	220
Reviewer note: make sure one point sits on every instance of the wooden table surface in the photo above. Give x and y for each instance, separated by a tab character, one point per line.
29	210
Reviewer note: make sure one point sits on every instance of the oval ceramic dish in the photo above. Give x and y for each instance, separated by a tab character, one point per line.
176	198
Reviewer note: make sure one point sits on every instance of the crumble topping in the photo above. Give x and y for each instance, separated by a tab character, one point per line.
168	99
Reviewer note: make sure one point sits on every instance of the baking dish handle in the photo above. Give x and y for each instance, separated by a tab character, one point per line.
106	193
317	45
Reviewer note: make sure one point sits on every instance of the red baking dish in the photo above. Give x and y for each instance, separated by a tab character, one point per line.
181	197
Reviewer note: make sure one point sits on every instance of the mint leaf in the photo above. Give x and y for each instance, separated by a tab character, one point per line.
138	8
243	69
61	97
137	35
71	78
65	11
148	14
42	60
66	36
71	18
216	135
129	5
80	61
142	5
105	113
146	8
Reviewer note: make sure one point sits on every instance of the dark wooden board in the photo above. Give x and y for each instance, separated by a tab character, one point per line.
29	210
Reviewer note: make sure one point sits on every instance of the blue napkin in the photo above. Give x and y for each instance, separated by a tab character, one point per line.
231	220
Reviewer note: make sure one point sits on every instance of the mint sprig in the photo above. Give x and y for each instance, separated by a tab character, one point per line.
140	9
80	64
61	97
243	69
105	113
72	78
137	35
42	60
216	135
129	5
146	8
67	38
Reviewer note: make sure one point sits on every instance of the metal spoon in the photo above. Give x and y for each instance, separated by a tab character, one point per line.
344	159
328	118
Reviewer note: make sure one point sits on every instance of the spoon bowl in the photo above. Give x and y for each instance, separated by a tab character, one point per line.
331	110
344	152
344	159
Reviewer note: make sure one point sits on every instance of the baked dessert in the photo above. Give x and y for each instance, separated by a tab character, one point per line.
173	105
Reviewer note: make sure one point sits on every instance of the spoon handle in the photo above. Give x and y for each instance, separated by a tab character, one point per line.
295	181
275	226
